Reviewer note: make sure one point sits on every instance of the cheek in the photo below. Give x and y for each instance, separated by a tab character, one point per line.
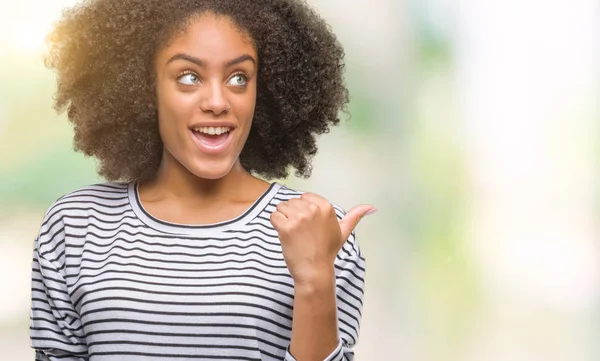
174	108
173	103
247	105
168	125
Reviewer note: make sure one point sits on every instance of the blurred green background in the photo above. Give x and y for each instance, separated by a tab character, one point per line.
474	130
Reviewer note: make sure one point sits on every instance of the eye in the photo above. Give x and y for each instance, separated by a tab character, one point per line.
188	79
238	80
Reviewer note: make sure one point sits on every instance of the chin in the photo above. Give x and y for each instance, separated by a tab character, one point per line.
211	170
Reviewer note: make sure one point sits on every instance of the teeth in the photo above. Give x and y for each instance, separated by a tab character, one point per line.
212	130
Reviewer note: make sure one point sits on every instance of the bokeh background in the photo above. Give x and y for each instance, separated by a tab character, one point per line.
474	130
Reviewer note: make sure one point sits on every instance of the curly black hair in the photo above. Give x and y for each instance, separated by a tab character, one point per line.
103	52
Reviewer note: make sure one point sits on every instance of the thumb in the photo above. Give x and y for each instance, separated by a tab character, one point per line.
352	217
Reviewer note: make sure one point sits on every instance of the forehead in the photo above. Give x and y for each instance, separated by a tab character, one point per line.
215	39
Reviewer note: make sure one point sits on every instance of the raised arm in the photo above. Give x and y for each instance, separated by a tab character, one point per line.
328	271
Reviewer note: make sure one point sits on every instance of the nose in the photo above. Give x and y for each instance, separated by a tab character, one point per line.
214	99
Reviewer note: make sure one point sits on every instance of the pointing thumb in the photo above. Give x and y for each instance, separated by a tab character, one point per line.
352	217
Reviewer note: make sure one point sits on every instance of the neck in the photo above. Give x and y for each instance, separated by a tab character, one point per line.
174	181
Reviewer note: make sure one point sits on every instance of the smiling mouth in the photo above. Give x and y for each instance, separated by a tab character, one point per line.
214	139
215	143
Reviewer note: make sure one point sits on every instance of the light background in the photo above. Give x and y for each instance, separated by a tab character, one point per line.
474	130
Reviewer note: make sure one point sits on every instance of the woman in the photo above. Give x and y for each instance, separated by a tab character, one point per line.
187	253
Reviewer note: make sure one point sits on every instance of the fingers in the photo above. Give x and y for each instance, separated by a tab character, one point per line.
284	208
286	211
297	207
278	220
321	202
310	205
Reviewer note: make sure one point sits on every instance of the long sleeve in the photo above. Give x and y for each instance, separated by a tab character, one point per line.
56	332
350	276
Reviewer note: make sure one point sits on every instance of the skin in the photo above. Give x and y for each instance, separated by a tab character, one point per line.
311	236
192	187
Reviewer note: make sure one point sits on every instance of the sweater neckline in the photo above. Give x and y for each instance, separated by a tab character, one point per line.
194	229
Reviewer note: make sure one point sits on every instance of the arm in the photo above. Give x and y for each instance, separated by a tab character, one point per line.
56	332
317	241
314	327
327	312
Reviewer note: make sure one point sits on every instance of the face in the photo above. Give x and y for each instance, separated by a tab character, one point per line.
206	93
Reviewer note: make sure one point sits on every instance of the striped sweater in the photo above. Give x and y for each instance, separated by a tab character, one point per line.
110	282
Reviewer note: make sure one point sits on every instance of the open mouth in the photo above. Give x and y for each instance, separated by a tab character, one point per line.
212	136
212	139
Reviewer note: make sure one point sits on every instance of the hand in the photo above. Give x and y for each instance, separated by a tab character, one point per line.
311	235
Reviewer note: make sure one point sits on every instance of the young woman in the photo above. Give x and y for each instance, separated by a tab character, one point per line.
187	253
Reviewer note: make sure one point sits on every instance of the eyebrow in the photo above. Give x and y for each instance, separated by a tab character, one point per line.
202	63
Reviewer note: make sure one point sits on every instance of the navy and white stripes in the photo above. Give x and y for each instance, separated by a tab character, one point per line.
111	282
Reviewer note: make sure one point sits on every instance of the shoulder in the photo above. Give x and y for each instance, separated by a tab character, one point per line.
98	190
101	197
94	195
